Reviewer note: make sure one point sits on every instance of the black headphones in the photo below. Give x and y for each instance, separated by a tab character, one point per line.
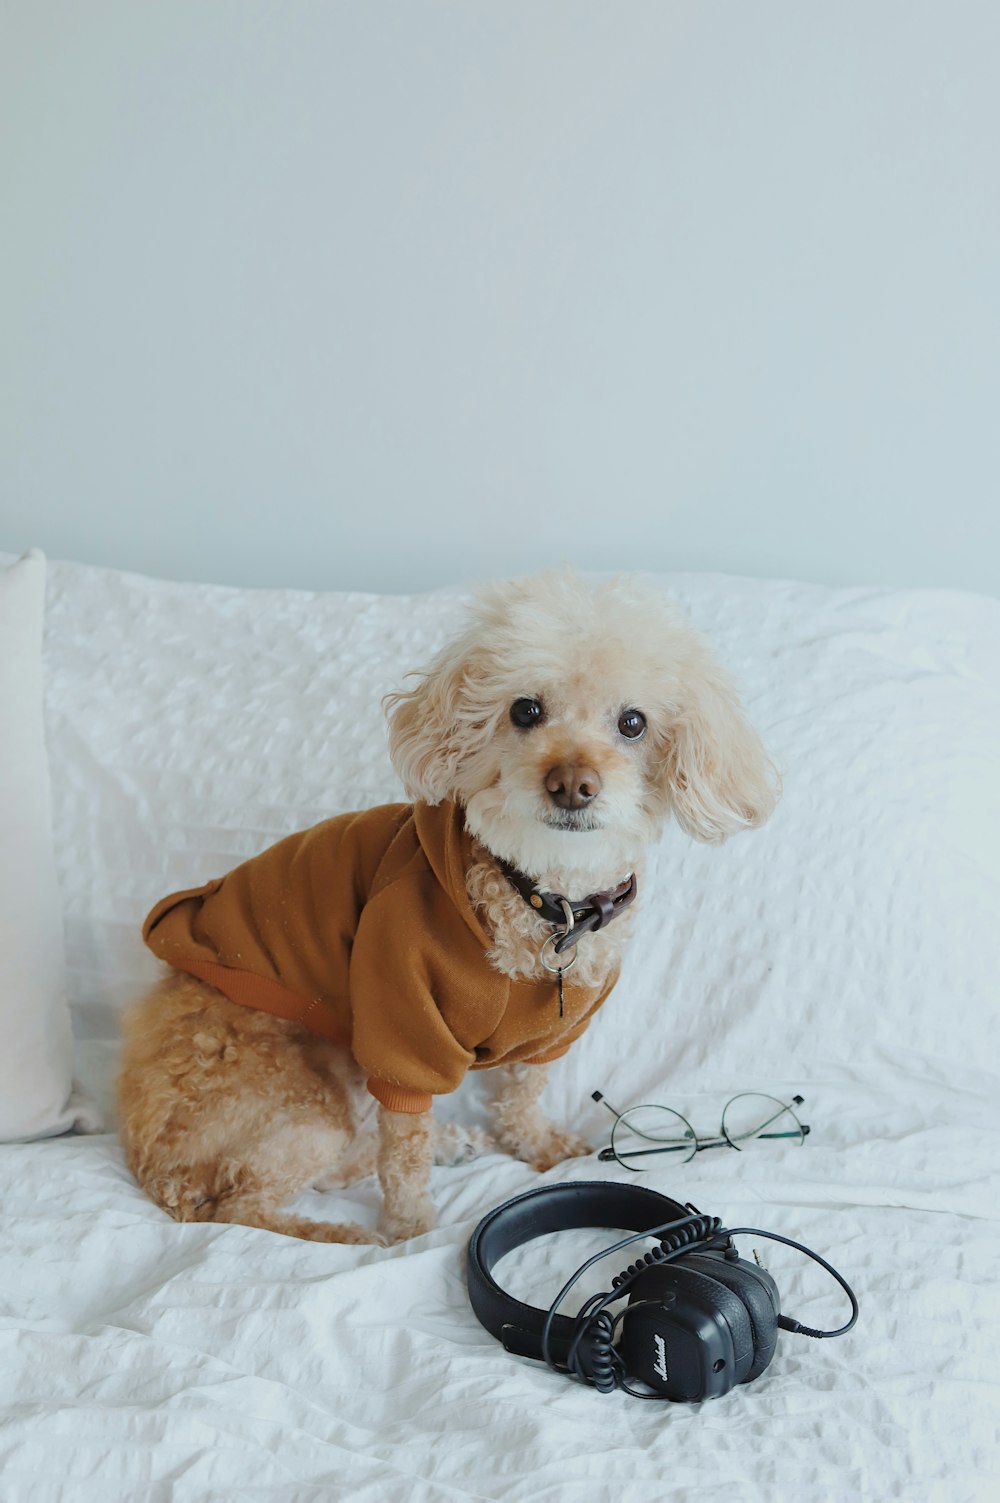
701	1319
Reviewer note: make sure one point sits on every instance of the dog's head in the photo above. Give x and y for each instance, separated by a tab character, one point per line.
570	720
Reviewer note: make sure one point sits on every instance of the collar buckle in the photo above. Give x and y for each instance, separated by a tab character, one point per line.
571	919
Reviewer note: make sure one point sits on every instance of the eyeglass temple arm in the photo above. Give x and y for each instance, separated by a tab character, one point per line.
599	1096
608	1155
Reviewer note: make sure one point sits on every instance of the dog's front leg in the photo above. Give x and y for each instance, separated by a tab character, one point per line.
405	1156
522	1128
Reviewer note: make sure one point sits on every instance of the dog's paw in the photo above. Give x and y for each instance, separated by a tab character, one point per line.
547	1147
331	1181
556	1147
404	1222
455	1144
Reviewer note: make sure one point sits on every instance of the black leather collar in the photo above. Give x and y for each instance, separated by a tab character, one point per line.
589	914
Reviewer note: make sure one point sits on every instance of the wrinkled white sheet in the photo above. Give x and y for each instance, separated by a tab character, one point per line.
849	951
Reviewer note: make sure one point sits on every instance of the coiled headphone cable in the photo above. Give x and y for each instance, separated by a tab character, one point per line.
593	1358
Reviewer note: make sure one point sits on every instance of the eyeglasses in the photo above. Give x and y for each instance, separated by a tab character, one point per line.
641	1132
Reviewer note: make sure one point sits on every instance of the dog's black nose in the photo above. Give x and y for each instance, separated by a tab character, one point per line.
572	787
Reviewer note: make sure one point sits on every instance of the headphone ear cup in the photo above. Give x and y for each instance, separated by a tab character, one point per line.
707	1289
757	1292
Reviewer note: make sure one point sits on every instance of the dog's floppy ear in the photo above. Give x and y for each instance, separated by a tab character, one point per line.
718	776
445	721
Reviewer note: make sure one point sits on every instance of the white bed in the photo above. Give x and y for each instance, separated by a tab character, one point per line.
850	951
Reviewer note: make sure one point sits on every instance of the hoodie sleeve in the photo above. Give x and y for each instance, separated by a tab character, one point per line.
398	1034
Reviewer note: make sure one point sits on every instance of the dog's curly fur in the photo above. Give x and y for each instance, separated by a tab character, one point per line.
226	1113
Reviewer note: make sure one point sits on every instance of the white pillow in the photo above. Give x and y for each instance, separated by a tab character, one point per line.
36	1063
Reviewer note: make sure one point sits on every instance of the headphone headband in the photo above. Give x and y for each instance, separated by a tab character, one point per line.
552	1208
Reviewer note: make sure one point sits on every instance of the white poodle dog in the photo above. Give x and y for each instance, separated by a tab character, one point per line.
479	927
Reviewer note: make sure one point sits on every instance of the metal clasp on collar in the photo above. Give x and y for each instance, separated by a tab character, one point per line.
560	965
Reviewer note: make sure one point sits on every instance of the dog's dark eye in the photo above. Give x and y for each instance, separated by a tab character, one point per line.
527	712
632	723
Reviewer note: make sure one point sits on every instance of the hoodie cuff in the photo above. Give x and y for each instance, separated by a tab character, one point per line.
546	1059
397	1099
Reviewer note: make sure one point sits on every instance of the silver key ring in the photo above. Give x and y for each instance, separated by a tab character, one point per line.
560	965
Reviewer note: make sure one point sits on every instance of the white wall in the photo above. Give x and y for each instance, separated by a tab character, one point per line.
383	294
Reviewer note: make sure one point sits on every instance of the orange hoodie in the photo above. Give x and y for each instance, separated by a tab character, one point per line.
362	930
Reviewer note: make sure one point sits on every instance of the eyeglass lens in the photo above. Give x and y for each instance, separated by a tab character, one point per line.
754	1115
643	1134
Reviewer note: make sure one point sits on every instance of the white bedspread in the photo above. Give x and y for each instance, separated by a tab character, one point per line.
850	951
